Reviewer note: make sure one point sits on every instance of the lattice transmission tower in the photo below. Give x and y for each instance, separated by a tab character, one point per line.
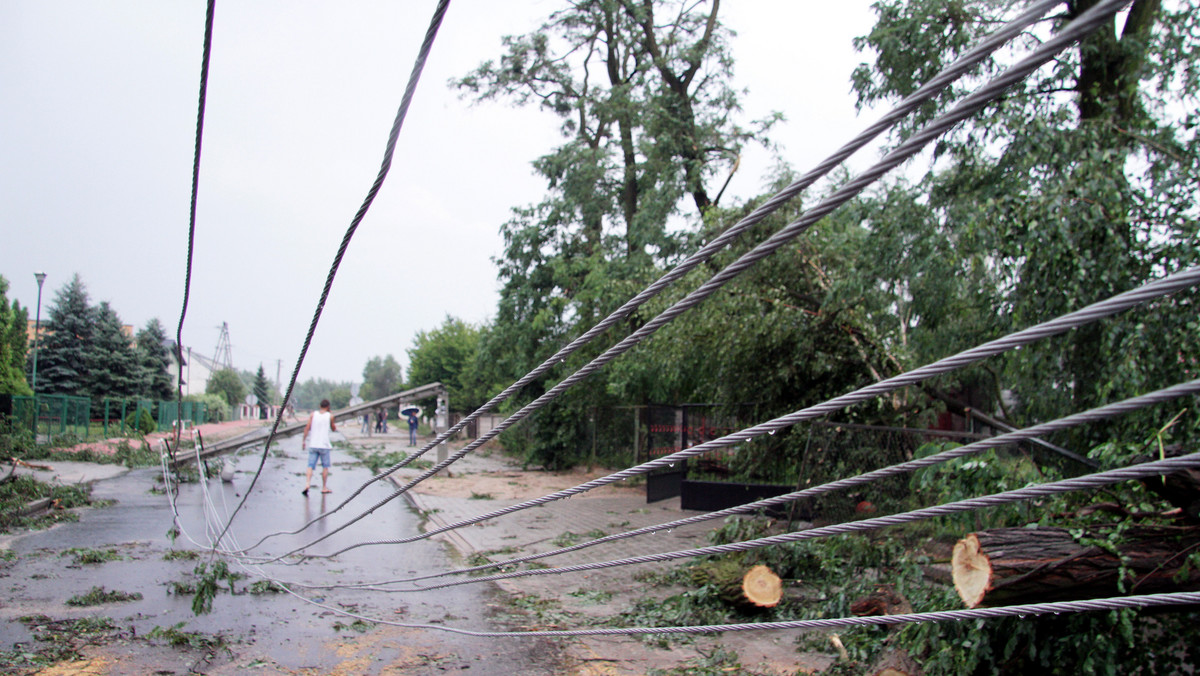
223	355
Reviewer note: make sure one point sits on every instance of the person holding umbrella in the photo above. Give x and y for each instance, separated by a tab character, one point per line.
411	413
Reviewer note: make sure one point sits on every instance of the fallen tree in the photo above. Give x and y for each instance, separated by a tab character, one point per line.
1010	565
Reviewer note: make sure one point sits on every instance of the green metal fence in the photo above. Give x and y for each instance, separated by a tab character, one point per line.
47	416
120	416
189	412
51	415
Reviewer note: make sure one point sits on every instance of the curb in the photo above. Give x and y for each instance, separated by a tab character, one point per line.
452	536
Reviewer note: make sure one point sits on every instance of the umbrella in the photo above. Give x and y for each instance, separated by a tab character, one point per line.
406	410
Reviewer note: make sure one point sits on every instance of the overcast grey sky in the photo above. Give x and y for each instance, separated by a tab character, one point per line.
97	123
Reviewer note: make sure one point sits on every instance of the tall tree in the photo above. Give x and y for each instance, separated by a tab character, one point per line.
227	384
447	355
64	354
154	359
648	118
113	370
381	377
262	388
13	320
308	394
1079	183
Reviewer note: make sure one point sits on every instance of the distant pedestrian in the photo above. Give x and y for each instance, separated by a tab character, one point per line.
316	438
412	428
379	421
366	426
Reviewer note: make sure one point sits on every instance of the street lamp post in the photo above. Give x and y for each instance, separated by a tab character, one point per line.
37	327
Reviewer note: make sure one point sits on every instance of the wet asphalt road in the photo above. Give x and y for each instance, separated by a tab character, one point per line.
272	633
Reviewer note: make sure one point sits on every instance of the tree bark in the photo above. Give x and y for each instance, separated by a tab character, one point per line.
1009	565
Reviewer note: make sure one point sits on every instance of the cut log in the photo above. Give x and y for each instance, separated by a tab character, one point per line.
755	587
1007	565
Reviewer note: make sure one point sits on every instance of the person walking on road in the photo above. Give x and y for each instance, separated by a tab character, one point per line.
316	438
412	428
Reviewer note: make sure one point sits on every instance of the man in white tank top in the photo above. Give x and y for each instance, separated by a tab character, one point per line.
316	438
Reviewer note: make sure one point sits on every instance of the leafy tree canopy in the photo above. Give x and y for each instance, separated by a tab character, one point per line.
381	377
644	94
307	395
227	384
13	320
448	355
1077	185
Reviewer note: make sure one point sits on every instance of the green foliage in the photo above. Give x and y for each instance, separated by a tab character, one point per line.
177	637
228	385
992	471
381	377
262	388
307	395
67	334
114	368
85	555
206	585
181	555
359	625
22	490
644	135
58	641
1051	201
215	406
377	462
141	420
265	587
154	359
98	596
448	355
13	320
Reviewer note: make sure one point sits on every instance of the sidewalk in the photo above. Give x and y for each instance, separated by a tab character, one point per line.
484	482
69	472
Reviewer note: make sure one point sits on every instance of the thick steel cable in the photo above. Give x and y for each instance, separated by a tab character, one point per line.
1085	417
405	102
191	241
1120	302
1083	25
1141	601
1154	468
1091	605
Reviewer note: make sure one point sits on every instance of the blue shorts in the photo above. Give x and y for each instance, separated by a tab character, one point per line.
322	453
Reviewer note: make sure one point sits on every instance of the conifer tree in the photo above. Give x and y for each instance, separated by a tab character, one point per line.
113	370
262	389
154	361
64	352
